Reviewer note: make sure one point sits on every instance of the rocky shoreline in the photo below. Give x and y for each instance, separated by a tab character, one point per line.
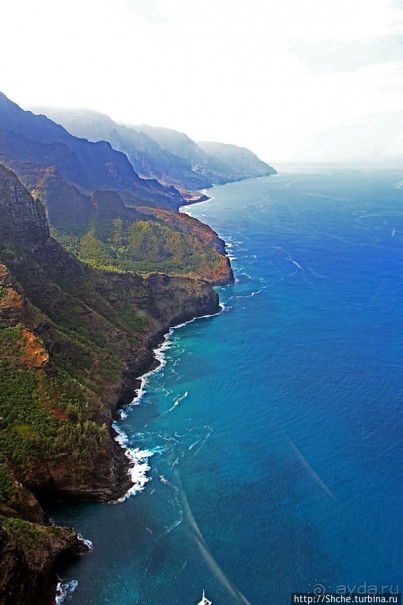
126	394
74	341
33	580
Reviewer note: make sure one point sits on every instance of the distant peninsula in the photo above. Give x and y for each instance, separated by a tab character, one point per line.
96	264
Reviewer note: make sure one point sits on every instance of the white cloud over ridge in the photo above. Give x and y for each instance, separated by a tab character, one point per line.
266	75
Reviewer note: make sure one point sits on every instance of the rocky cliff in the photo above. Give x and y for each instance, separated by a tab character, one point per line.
218	162
73	341
226	163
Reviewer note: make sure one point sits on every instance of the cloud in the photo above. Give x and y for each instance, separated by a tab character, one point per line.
331	56
375	139
147	9
263	74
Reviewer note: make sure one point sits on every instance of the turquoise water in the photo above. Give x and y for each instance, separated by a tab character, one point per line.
276	426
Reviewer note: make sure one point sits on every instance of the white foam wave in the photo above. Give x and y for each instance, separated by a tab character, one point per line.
63	589
230	241
138	471
159	355
226	308
139	467
85	541
167	438
242	277
176	403
248	295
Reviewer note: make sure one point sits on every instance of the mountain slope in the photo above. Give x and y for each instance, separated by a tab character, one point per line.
233	163
100	230
25	137
177	143
219	162
73	340
165	154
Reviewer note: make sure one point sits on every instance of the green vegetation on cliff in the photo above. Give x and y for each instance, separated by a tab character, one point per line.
145	246
43	415
73	340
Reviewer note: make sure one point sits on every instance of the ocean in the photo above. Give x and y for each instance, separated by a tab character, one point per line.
270	439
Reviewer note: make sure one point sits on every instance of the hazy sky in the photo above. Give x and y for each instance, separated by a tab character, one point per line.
269	75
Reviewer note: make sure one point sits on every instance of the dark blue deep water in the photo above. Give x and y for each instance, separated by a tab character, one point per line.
276	426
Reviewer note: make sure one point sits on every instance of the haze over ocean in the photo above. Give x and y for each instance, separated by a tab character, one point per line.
276	426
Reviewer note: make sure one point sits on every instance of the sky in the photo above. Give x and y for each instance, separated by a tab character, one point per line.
292	80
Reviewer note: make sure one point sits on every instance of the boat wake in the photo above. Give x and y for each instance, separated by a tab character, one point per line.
208	557
304	462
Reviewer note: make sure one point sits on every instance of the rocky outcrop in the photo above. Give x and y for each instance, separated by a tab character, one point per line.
23	220
29	552
13	307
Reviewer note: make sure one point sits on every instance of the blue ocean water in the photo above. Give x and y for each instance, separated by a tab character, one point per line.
276	426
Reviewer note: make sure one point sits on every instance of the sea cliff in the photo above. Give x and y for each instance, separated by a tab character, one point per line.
73	341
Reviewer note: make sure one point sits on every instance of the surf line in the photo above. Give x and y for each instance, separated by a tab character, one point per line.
139	459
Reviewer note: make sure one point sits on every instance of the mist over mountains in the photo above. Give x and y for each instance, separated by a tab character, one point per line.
164	154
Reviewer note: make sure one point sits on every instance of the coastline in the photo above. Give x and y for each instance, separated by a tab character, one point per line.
138	459
193	198
136	462
127	347
170	301
87	335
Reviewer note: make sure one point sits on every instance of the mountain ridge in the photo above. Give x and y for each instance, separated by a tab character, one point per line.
25	136
95	220
163	153
145	154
